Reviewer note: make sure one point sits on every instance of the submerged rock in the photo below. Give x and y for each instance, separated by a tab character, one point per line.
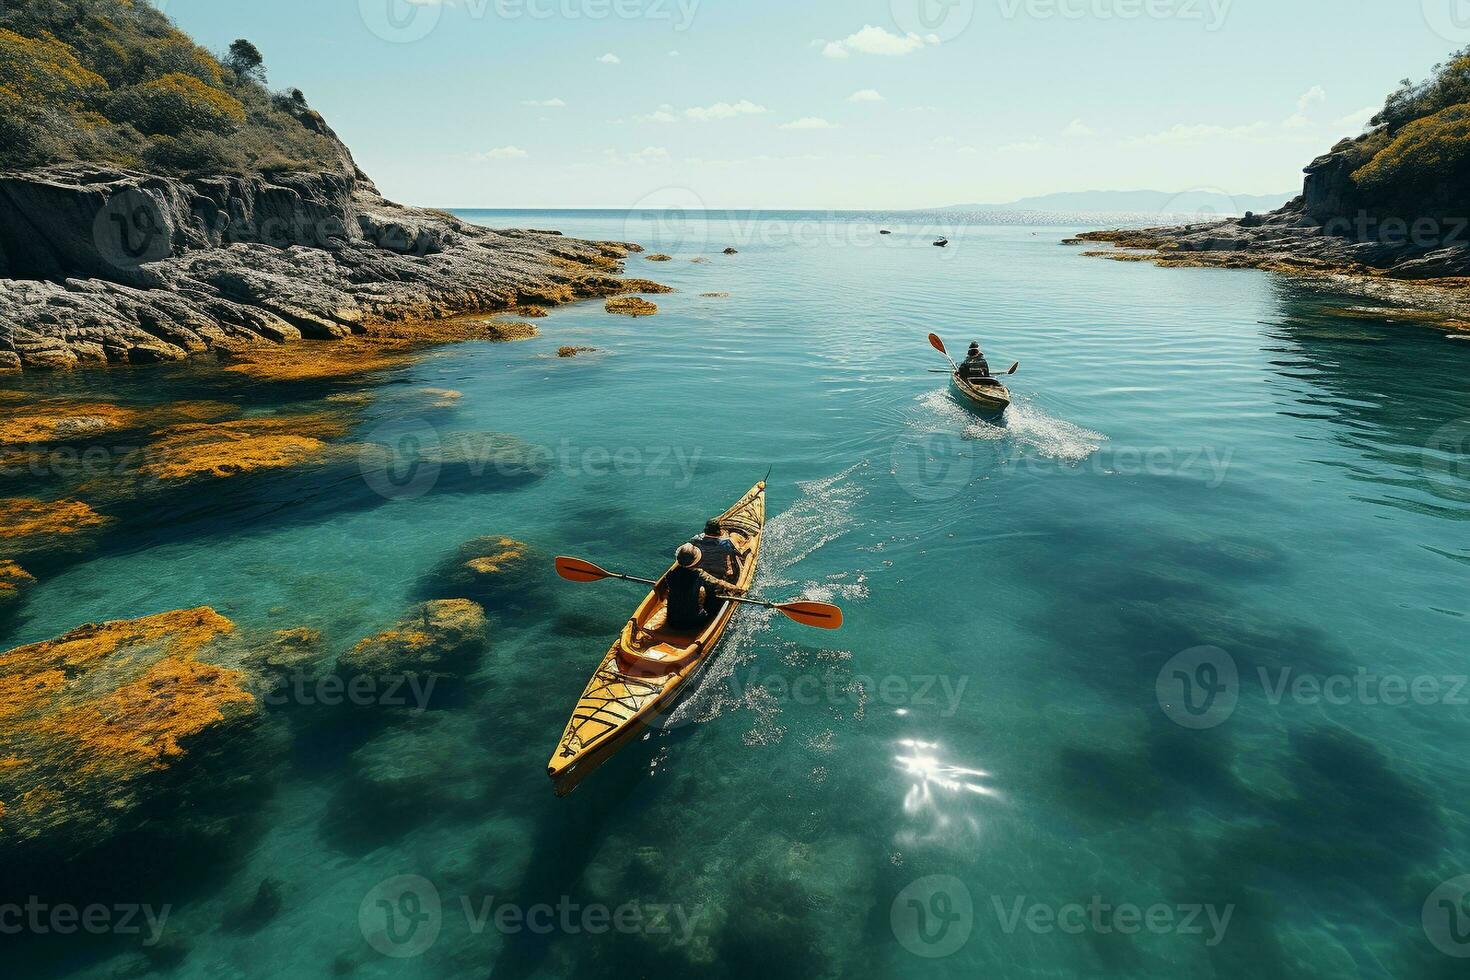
14	581
574	351
260	911
436	639
494	571
647	286
631	306
29	525
732	251
659	257
227	449
92	720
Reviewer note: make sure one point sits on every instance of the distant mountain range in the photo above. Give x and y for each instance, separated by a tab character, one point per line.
1144	202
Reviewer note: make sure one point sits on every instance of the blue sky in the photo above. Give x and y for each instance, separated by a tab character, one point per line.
832	103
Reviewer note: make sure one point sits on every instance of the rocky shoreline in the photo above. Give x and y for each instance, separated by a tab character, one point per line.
1330	233
117	267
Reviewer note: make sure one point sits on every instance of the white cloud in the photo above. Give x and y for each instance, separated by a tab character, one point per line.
649	154
544	103
1296	121
1203	132
875	40
967	151
1025	146
1311	97
1359	119
809	122
663	114
504	153
865	95
724	110
610	59
1078	128
673	54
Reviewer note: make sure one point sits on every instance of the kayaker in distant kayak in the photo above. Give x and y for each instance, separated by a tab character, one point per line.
719	555
975	367
681	588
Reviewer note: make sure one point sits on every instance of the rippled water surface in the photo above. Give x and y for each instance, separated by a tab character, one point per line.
1018	715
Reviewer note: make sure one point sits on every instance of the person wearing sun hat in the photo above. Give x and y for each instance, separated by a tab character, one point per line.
975	365
681	589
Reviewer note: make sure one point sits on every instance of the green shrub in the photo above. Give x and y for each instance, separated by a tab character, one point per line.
113	82
175	105
1425	158
1448	86
41	71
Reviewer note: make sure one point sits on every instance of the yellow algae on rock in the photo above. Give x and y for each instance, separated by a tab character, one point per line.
85	717
431	639
315	360
63	422
13	581
624	286
631	306
25	517
659	257
226	449
500	555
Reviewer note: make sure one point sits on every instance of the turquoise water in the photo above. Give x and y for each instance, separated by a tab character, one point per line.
994	755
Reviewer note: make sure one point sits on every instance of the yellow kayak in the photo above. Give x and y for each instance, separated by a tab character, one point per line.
649	666
992	396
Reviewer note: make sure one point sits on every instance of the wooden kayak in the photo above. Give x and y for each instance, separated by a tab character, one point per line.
992	396
649	666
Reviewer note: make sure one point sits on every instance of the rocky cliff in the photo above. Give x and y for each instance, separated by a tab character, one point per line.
113	266
161	202
1389	204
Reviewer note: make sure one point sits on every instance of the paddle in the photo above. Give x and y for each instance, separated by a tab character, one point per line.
1014	368
818	614
938	345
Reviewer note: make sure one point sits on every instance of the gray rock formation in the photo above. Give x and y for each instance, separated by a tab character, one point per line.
108	266
1333	225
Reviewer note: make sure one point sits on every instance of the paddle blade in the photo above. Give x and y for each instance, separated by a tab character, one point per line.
937	344
577	570
818	614
1014	368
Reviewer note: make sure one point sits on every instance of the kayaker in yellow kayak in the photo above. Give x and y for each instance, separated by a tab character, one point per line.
974	367
681	588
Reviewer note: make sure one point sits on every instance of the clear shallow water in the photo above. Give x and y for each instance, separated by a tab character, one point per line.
1196	458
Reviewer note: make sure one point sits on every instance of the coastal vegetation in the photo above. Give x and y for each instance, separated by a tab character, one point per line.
114	82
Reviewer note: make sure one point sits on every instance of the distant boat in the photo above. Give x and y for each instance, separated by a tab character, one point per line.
942	243
885	231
